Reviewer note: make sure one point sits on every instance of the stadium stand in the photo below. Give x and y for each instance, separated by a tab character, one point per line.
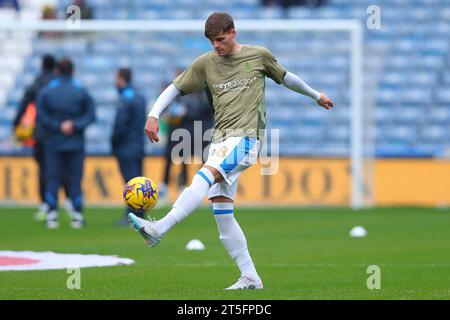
406	85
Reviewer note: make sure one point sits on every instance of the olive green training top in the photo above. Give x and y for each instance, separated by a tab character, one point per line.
235	85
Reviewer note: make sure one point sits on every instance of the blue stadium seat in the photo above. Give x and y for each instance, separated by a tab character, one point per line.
106	114
5	132
7	115
270	12
101	148
438	114
434	134
443	95
399	134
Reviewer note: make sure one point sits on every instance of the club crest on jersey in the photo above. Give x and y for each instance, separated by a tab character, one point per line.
247	66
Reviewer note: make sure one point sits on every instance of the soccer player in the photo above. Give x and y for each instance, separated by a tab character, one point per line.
234	75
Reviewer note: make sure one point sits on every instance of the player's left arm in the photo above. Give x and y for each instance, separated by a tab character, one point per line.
294	83
280	75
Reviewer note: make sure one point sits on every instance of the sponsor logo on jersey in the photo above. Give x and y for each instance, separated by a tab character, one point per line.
237	84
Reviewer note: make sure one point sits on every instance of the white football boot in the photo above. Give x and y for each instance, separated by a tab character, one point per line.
245	283
146	228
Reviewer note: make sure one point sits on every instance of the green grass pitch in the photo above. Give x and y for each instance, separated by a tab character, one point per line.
299	253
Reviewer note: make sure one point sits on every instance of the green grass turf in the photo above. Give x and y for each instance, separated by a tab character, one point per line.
299	253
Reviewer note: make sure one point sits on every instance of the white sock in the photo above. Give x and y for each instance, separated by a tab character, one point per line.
233	239
189	200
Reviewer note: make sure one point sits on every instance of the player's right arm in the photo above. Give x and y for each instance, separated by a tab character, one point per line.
191	80
163	101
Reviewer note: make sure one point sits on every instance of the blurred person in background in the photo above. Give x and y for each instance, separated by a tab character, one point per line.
49	13
64	110
30	135
128	138
181	114
25	120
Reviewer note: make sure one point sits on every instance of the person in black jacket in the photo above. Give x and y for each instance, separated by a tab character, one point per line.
45	76
64	110
128	137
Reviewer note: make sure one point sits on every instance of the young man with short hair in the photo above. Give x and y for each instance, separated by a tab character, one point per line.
234	76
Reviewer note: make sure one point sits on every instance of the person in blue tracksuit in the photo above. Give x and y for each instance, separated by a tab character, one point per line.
128	138
64	110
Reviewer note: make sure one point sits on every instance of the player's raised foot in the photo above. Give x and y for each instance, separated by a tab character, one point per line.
245	283
146	228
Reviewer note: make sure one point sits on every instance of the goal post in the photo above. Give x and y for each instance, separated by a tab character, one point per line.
355	55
